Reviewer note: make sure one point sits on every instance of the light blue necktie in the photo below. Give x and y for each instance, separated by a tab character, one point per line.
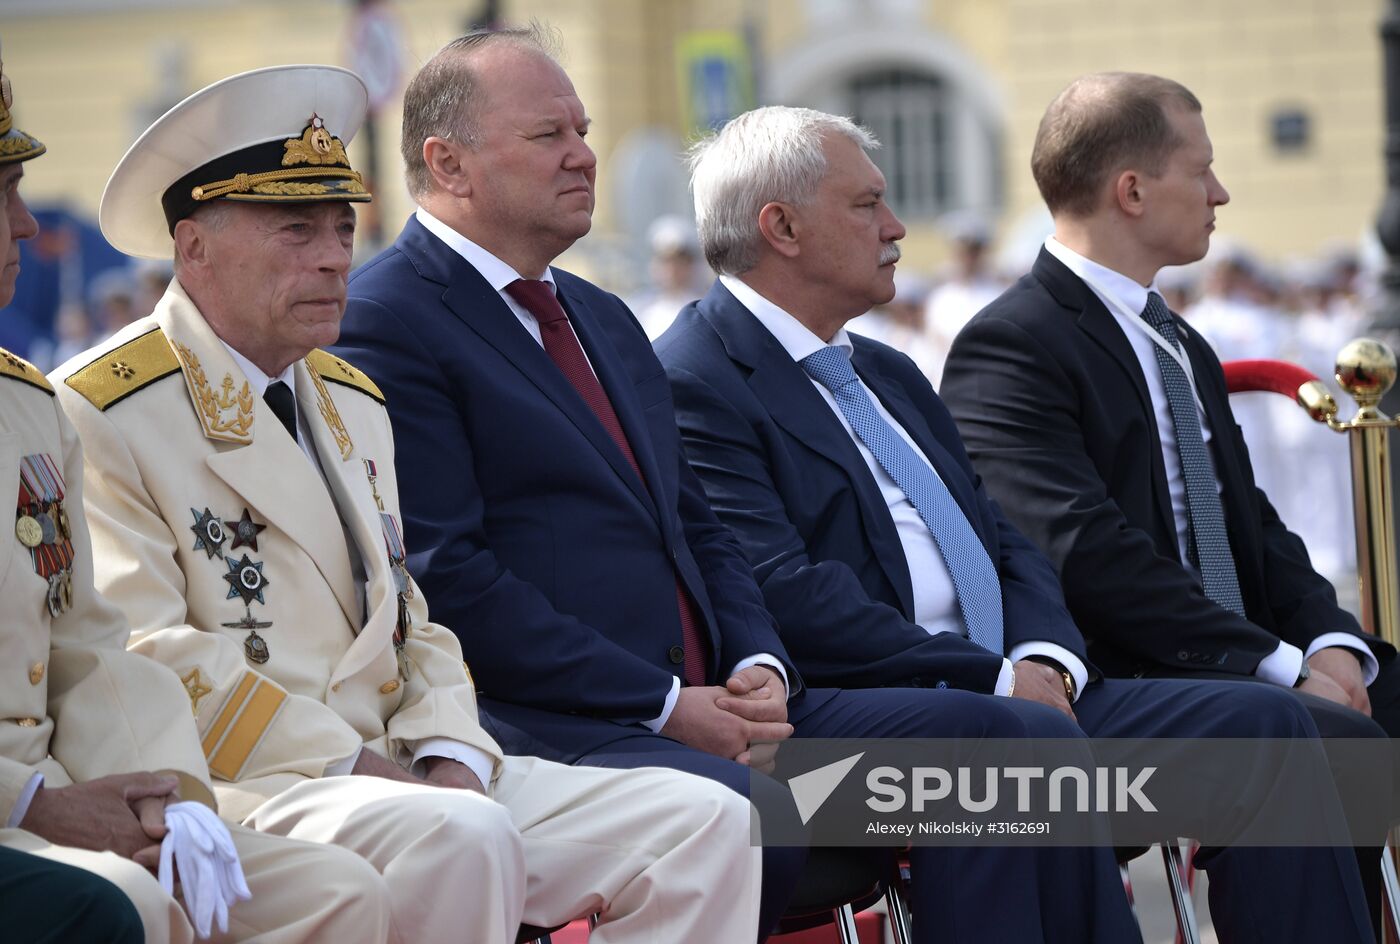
974	578
1208	543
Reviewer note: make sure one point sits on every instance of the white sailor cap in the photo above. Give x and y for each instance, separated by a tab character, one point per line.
273	135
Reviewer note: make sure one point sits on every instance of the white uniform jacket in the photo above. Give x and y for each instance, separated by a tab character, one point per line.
74	704
220	539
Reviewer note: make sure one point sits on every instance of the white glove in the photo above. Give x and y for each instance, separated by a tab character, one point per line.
211	878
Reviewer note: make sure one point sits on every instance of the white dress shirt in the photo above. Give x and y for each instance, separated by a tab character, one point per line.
935	600
500	274
475	759
1125	299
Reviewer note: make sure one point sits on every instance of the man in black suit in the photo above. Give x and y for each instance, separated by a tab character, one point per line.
1062	389
847	497
1100	422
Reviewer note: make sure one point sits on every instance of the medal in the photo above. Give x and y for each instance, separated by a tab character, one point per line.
41	524
254	646
209	533
246	532
398	570
49	529
60	593
245	580
28	531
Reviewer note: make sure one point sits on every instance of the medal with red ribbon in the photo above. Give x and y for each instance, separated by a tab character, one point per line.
41	524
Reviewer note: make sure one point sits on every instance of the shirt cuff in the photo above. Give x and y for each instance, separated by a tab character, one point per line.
1370	667
26	797
473	758
659	722
1060	655
768	661
343	768
1282	665
1005	677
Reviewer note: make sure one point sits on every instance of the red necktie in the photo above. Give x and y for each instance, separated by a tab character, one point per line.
561	344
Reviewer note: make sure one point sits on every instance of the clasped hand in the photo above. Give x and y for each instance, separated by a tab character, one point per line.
743	720
1336	676
123	813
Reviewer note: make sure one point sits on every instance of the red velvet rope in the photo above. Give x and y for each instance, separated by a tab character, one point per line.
1272	376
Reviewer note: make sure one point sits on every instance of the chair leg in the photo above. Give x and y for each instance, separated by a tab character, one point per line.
899	915
845	920
1390	882
1181	897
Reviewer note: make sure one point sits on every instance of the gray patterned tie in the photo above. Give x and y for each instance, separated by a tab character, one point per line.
1207	543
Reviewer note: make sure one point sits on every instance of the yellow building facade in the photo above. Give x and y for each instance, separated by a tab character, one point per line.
1292	92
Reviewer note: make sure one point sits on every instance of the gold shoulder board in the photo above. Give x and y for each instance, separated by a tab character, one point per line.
339	371
21	369
119	373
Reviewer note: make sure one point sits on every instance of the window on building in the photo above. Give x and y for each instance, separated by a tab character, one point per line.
936	154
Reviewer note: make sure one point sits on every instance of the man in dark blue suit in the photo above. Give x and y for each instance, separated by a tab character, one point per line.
843	477
555	525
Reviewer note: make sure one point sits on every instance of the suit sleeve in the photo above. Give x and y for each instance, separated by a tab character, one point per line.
833	629
113	711
746	627
1304	603
1019	416
508	628
1301	601
248	725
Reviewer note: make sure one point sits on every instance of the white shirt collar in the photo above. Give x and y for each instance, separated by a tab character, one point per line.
492	269
256	378
1122	289
795	337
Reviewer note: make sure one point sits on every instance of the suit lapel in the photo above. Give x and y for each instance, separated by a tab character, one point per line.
893	398
252	454
336	452
1095	321
354	499
479	306
786	391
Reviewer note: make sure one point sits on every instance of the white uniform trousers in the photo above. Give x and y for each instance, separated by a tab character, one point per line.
302	892
661	856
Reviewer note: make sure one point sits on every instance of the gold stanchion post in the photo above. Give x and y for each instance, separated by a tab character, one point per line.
1366	370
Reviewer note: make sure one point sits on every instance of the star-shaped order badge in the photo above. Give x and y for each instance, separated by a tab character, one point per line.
195	687
246	531
245	579
209	533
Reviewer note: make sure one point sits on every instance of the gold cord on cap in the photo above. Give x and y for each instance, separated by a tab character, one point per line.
266	183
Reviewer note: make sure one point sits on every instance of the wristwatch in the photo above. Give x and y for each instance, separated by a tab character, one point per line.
1065	675
1304	673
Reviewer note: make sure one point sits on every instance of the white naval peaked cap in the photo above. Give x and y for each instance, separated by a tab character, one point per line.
273	135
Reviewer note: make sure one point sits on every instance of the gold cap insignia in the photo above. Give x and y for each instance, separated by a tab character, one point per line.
315	145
